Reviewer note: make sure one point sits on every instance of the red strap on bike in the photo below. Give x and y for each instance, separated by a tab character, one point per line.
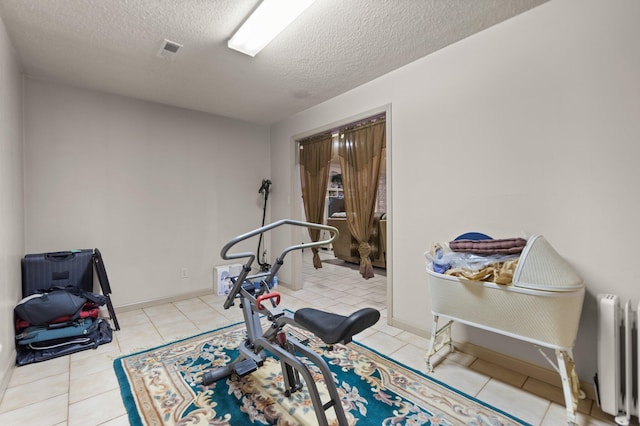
267	296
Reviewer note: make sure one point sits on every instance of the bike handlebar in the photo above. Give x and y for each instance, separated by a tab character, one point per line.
224	253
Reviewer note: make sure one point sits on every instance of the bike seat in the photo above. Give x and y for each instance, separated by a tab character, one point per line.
334	328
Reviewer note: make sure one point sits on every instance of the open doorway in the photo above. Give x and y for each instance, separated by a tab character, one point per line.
340	262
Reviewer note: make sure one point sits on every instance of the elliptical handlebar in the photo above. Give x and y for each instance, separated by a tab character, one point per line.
224	253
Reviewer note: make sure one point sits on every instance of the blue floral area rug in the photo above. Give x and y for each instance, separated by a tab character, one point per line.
162	386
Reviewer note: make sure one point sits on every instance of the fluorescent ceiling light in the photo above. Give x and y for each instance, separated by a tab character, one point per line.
265	23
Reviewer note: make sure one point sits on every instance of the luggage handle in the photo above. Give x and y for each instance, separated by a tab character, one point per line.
59	325
59	256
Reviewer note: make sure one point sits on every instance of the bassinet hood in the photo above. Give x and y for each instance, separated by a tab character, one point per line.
542	268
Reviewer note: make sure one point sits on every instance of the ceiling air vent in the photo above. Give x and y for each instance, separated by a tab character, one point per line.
169	49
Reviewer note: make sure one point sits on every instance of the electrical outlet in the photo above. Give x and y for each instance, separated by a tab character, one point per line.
184	273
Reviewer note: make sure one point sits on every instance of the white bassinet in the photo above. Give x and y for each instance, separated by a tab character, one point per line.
542	306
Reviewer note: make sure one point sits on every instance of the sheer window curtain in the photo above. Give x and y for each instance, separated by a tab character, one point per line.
361	151
315	159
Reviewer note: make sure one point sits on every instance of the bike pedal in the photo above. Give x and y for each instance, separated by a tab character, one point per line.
245	367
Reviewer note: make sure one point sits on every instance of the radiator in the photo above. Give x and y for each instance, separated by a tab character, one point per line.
618	376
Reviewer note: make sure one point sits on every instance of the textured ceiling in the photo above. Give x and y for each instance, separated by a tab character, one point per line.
336	45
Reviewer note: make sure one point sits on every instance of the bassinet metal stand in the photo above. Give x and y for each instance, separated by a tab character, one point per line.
441	338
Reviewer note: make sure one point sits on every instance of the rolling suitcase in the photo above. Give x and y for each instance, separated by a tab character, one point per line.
57	269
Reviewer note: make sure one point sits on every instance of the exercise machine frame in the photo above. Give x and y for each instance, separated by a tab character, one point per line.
252	291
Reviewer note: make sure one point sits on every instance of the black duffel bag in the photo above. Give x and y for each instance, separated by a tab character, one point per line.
42	308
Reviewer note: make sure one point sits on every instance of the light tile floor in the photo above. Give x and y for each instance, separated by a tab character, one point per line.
81	389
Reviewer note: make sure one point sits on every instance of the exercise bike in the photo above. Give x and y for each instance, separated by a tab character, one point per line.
256	297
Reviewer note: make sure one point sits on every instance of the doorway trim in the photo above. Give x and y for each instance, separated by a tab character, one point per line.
297	210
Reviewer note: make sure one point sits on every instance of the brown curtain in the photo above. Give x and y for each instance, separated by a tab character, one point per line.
361	150
315	158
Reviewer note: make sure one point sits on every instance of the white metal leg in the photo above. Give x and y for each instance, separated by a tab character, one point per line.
439	339
570	383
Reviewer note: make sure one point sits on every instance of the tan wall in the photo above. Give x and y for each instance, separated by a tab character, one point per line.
530	126
155	188
11	199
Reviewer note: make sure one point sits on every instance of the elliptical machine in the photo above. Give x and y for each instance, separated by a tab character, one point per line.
253	291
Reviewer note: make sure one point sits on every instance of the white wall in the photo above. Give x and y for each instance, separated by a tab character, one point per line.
155	188
11	198
528	127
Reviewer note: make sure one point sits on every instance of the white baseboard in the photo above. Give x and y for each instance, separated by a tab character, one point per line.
160	301
543	374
